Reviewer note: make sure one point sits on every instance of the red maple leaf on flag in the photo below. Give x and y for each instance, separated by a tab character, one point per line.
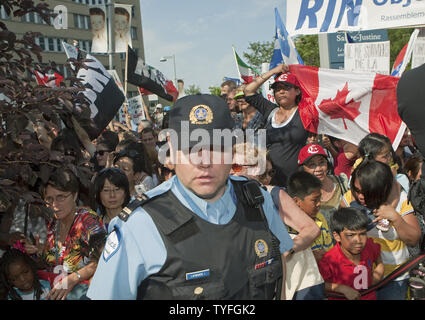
338	108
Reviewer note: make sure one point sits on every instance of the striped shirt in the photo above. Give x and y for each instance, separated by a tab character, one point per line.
393	250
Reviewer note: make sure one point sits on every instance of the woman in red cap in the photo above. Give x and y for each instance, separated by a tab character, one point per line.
313	159
285	132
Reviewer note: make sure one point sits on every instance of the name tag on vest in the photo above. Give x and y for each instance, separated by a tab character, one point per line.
198	274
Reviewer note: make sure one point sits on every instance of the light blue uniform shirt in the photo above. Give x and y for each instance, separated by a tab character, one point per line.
135	250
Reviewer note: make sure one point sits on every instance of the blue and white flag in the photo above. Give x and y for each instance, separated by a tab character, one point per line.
404	56
284	48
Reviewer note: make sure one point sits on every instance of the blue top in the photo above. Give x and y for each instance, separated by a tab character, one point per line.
134	249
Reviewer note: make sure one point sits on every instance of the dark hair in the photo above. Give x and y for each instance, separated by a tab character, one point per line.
413	165
9	257
64	180
109	138
67	141
122	11
348	218
97	11
115	176
139	159
301	184
147	130
376	181
372	144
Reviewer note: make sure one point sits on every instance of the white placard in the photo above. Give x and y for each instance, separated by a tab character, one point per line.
135	109
368	57
418	54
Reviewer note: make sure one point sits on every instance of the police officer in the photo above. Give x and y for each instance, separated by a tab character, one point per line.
197	235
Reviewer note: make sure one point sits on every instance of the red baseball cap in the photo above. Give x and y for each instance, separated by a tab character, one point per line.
309	151
286	77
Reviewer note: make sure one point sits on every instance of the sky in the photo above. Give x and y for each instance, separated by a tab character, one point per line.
200	33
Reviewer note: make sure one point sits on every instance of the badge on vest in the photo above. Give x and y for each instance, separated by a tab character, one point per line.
112	244
198	274
261	248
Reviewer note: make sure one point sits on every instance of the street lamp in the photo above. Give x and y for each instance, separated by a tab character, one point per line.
165	58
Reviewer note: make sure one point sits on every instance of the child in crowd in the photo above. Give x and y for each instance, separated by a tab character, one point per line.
348	267
18	275
304	188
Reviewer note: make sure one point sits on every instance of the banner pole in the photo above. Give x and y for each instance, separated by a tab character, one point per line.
111	42
127	115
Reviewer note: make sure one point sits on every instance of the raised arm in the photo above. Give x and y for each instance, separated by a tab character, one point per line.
251	88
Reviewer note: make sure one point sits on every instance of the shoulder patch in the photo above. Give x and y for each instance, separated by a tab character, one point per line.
112	244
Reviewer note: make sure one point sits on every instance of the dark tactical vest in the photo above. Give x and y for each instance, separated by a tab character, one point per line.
239	260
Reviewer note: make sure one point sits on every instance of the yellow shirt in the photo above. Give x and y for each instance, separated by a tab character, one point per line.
324	240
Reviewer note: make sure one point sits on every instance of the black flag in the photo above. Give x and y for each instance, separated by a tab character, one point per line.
102	93
142	75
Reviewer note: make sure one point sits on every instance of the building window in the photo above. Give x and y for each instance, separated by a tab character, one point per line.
51	42
81	21
133	32
42	43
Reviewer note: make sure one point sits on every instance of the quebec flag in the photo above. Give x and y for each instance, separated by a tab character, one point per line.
284	48
404	56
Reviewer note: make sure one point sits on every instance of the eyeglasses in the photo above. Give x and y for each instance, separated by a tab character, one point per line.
59	198
312	165
239	167
101	152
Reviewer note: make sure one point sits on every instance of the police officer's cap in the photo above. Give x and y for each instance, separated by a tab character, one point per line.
200	111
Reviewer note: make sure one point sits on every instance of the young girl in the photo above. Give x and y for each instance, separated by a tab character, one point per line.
19	277
371	188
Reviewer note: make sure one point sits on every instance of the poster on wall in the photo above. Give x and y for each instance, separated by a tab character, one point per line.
122	26
99	29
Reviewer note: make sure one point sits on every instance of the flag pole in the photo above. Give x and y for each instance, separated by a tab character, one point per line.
127	115
236	61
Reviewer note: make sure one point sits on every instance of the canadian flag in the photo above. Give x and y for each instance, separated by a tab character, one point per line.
48	80
349	105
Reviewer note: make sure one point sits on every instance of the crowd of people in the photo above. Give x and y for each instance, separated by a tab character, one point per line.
330	207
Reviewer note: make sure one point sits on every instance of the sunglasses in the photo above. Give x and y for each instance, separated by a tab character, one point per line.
281	86
239	167
165	171
125	153
101	152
